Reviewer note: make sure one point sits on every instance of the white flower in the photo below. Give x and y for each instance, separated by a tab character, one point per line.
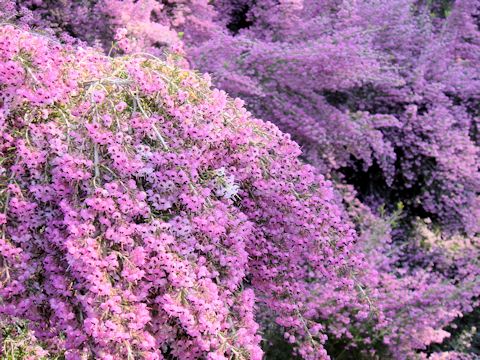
226	186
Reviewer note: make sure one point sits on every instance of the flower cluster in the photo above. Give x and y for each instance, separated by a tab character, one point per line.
381	95
417	285
343	79
145	215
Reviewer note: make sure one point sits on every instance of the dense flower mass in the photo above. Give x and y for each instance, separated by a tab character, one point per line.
144	215
378	88
357	83
418	283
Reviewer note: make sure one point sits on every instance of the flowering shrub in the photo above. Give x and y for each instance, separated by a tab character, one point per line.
345	79
381	95
417	285
362	97
145	215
